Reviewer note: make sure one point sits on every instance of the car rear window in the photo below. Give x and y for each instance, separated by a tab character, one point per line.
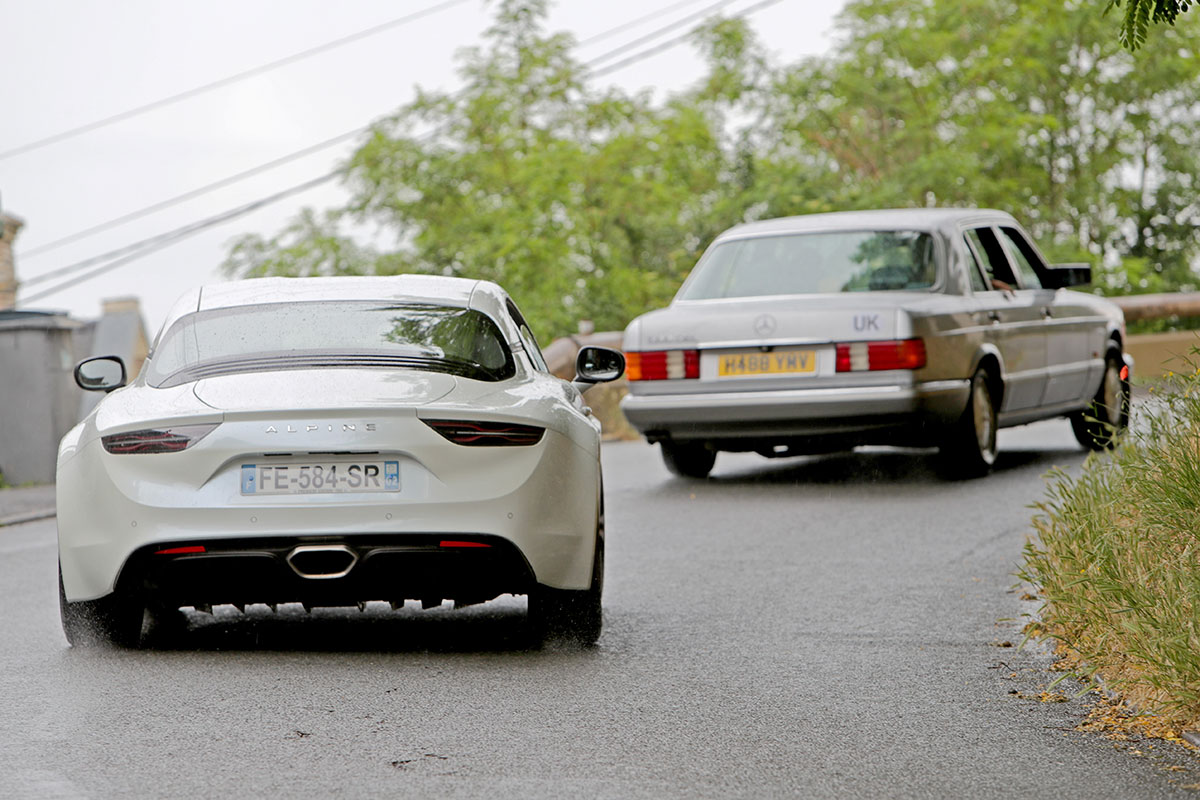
306	335
815	263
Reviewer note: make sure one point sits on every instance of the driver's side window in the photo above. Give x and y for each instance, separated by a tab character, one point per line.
991	256
1024	256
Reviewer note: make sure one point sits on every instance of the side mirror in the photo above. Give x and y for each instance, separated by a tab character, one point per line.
1062	276
597	365
100	374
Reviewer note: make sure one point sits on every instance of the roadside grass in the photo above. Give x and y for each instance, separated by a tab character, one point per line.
1117	559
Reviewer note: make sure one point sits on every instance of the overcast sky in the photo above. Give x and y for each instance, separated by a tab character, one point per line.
65	63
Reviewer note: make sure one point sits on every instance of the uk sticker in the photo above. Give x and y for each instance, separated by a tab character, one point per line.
249	479
391	475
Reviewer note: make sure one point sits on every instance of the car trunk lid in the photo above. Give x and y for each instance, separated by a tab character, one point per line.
753	344
803	319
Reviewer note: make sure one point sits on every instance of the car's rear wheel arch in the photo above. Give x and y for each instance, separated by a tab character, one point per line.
990	363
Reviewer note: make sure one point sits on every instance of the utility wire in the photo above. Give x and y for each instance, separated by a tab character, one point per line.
662	12
208	87
220	184
194	193
668	44
641	40
144	247
147	246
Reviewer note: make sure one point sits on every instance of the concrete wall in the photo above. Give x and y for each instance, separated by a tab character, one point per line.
39	401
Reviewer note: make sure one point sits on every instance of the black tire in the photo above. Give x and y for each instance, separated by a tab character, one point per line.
969	449
690	460
113	621
1100	425
571	616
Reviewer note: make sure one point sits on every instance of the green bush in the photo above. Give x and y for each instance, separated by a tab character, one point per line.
1117	557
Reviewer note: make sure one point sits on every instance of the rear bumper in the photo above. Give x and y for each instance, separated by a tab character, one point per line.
111	508
361	569
795	412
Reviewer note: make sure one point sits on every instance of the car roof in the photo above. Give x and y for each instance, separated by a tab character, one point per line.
943	219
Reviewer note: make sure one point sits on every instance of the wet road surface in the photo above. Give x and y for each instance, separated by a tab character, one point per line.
806	627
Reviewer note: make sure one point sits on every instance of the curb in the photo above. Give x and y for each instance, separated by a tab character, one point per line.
28	516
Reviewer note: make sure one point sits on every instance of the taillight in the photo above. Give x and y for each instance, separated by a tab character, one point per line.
457	543
156	440
861	356
661	365
486	434
181	551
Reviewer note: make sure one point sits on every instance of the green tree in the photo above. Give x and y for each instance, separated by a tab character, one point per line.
1140	13
1031	108
584	204
592	203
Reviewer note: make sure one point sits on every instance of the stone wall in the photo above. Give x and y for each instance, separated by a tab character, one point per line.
39	401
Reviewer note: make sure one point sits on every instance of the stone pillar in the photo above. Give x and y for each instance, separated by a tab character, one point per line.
9	226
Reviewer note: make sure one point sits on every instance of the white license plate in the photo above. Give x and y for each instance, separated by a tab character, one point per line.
321	477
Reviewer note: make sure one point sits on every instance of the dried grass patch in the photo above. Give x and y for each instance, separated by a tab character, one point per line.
1116	561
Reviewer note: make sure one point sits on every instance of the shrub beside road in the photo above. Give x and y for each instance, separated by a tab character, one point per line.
1117	559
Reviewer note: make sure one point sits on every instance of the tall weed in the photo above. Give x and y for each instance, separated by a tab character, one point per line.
1117	557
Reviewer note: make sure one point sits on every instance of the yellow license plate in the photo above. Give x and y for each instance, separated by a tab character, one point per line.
777	362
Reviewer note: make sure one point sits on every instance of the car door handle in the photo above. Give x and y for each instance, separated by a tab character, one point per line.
1047	312
994	316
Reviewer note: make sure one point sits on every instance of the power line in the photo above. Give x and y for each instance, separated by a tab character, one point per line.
702	13
189	195
668	44
208	87
145	247
220	184
662	12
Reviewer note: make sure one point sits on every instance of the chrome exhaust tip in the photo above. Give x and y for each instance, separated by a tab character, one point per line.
322	561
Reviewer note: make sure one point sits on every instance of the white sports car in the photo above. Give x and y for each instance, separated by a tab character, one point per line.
330	442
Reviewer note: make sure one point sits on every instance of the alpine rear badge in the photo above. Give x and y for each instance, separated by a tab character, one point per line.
344	427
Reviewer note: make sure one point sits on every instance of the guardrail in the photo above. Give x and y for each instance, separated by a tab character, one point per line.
1138	307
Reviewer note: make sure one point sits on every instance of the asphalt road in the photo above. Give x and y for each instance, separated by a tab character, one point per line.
801	628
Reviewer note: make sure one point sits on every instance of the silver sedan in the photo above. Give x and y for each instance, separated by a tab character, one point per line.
914	327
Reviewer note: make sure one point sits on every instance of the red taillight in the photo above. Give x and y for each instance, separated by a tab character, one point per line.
453	543
180	551
486	434
661	365
862	356
165	440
